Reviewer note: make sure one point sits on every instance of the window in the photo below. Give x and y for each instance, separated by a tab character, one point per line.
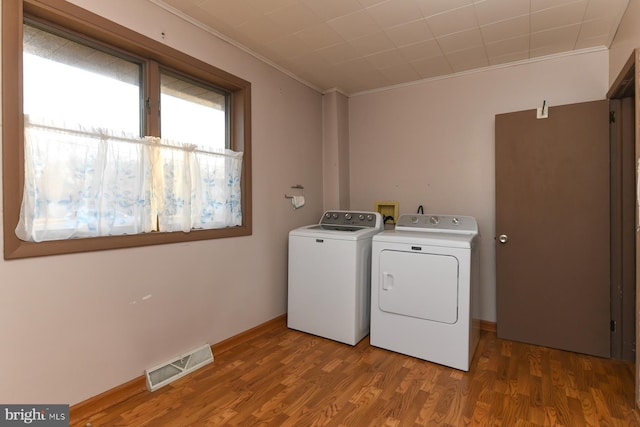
68	82
190	110
128	85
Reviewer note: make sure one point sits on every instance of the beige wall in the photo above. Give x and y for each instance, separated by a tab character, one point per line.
74	326
336	151
627	38
432	143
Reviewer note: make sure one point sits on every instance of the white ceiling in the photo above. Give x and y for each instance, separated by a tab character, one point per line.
362	45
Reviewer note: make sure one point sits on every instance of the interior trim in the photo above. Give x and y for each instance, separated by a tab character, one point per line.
488	326
121	393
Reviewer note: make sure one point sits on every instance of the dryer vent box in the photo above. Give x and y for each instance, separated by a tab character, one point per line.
388	209
178	367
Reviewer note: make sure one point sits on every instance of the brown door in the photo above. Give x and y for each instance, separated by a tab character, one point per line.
552	228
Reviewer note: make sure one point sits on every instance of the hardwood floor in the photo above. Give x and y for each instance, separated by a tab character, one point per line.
287	378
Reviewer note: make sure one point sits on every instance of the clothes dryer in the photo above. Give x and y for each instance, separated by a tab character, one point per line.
424	284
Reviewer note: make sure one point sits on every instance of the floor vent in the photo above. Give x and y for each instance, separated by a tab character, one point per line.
178	367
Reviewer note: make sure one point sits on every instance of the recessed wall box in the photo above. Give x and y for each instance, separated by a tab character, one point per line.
388	210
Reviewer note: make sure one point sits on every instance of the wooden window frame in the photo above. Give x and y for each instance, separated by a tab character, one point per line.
93	27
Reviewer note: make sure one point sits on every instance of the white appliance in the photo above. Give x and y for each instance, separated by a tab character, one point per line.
423	289
330	275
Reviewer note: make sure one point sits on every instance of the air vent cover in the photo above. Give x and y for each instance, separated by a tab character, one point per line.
178	367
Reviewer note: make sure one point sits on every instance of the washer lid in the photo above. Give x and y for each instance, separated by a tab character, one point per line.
343	225
337	233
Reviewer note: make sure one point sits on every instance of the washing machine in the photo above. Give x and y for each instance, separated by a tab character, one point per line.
424	288
330	275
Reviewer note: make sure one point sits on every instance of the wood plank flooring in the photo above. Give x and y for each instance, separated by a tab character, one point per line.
287	378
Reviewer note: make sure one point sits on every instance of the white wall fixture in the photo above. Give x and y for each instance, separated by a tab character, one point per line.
543	112
178	367
297	201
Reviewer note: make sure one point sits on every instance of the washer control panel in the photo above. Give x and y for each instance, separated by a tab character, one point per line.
448	223
352	219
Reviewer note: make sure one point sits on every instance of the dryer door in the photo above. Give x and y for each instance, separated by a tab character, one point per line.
421	285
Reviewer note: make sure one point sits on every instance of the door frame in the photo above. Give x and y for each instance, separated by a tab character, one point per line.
623	268
627	85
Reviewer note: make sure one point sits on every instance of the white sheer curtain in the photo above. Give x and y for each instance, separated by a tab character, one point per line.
199	189
89	183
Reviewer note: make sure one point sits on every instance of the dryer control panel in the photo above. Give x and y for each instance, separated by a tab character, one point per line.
440	223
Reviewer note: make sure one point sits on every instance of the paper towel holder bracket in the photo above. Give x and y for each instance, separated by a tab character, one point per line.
297	187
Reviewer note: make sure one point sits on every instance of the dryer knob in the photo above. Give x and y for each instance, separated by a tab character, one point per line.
347	216
335	215
369	217
361	217
455	221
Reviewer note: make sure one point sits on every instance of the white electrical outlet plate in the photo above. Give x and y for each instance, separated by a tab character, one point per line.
541	114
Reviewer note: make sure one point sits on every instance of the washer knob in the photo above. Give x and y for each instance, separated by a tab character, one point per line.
414	219
361	217
369	217
347	216
327	215
434	220
335	215
455	221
